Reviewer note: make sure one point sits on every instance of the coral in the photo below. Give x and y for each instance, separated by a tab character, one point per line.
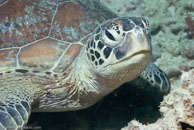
167	41
187	48
177	108
190	23
169	60
186	68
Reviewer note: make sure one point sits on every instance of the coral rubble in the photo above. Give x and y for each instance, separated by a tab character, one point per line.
176	109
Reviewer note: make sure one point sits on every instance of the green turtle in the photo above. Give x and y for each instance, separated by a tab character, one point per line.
52	58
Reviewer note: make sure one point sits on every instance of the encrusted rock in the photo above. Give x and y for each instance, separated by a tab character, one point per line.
187	49
176	109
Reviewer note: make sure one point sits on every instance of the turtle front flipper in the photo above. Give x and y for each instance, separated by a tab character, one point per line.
15	109
156	77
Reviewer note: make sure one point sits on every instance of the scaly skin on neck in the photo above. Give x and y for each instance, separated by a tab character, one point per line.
81	87
77	89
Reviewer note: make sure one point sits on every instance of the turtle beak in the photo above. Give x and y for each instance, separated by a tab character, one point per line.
134	43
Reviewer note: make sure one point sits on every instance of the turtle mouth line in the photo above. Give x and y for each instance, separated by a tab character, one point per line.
129	57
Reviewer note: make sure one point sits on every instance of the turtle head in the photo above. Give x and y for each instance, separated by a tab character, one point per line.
120	48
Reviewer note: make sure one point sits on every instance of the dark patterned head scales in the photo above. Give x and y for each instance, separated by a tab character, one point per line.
120	48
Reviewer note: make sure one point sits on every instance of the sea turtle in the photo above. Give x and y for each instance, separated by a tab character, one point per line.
51	60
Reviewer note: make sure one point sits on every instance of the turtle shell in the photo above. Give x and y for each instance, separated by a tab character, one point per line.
44	34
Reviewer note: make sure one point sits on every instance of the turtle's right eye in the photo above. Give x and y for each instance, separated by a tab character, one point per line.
109	35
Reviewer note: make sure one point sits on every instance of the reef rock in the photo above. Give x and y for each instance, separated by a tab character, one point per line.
177	108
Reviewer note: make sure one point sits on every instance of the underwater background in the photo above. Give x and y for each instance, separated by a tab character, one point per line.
172	25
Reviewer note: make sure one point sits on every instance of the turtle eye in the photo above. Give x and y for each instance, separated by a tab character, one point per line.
112	34
109	35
